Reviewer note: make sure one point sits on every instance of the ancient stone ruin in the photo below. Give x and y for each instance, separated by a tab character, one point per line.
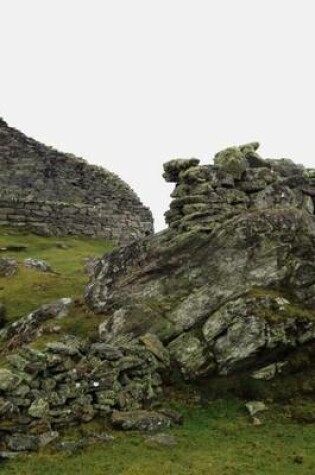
239	180
54	193
226	293
73	381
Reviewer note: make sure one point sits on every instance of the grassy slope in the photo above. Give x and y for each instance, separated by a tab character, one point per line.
29	289
216	440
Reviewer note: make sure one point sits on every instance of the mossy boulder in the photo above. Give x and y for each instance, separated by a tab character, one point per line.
198	292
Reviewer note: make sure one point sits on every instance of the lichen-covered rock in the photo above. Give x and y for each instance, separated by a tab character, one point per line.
39	408
37	264
232	161
148	421
194	287
8	267
240	180
174	167
23	442
192	356
8	380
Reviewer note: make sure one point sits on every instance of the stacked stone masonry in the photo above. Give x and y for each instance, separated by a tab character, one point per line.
239	180
60	194
71	382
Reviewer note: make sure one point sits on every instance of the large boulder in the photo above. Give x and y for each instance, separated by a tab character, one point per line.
234	299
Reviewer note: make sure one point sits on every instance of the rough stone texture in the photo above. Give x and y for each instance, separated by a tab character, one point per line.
233	292
207	195
147	421
37	264
59	194
8	267
72	381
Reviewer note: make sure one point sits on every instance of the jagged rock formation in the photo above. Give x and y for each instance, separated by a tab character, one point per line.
230	287
57	193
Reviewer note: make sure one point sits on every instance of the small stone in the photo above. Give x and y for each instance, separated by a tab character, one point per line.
39	408
140	420
256	421
37	264
254	407
164	440
72	446
23	442
174	167
8	267
5	406
8	380
48	437
156	347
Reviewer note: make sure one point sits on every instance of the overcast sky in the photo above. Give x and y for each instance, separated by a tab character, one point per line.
129	84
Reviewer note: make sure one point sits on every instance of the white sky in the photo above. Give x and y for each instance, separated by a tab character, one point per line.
129	84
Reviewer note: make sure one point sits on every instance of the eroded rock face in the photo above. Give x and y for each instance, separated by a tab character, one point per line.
235	290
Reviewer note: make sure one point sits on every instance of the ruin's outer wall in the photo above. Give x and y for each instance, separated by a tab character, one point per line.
57	193
110	221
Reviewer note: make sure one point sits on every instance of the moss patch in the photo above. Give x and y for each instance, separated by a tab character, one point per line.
292	310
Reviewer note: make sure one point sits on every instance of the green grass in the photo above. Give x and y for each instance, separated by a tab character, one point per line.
29	289
216	440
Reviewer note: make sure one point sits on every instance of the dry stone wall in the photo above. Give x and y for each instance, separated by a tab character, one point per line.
110	221
60	194
239	180
71	382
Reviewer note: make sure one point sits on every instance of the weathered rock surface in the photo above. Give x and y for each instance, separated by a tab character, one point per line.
37	264
235	289
148	421
8	267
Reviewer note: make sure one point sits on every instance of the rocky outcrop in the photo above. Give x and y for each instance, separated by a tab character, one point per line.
59	194
207	195
72	381
230	287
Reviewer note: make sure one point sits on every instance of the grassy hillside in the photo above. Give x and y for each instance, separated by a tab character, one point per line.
29	288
